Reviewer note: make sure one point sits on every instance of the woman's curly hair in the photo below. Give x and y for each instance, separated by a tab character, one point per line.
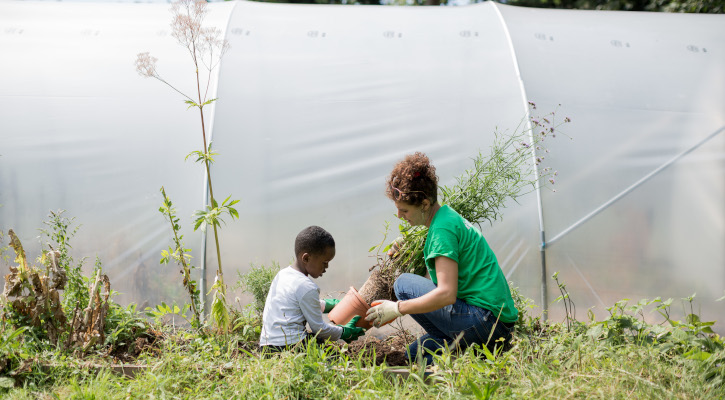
415	180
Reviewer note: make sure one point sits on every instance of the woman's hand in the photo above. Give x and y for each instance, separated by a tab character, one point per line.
394	250
385	311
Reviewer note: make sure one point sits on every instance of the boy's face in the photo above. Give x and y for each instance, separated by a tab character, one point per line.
316	264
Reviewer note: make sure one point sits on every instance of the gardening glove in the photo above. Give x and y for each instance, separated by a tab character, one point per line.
328	304
351	332
384	311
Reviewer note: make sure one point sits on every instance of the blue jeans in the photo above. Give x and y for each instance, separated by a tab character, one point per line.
473	324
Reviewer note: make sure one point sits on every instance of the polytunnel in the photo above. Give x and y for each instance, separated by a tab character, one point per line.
317	102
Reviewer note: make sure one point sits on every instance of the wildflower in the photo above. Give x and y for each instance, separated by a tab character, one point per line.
547	121
535	122
556	173
146	65
532	104
186	24
551	180
567	119
551	129
525	144
210	39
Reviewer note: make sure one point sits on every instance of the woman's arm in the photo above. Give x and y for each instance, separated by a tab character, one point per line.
441	296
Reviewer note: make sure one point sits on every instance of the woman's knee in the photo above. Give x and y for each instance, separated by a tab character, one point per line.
402	286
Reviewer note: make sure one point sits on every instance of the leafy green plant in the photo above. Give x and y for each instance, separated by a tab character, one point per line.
257	282
124	325
13	350
247	324
569	307
692	339
181	255
206	48
163	310
58	235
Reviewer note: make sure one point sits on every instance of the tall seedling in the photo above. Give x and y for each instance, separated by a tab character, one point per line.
206	48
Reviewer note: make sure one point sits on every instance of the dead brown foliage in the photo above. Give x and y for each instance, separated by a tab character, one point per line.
33	294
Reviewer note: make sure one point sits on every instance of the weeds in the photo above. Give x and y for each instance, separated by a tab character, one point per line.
59	234
181	255
257	282
34	315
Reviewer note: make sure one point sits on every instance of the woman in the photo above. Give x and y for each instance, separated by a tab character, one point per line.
467	300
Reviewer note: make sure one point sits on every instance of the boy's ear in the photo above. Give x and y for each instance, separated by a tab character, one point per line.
305	257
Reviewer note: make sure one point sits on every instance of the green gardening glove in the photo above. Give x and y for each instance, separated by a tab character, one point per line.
351	332
330	304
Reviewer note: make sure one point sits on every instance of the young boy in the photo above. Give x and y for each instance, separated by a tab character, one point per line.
294	299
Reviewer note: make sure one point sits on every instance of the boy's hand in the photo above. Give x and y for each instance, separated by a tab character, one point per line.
329	305
384	311
351	332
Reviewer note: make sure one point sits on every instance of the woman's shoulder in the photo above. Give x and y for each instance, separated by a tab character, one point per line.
447	218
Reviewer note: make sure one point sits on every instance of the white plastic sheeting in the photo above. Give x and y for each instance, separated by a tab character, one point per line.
316	104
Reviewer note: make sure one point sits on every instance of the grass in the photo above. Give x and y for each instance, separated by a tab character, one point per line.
546	362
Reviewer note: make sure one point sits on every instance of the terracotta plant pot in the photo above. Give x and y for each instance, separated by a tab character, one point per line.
351	305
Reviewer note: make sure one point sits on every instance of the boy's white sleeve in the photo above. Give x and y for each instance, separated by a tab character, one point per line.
310	305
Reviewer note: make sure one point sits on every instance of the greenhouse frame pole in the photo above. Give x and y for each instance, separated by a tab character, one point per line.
635	185
537	186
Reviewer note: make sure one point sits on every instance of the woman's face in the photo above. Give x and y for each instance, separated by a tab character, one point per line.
413	214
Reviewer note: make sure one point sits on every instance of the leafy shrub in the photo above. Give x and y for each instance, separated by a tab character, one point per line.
257	282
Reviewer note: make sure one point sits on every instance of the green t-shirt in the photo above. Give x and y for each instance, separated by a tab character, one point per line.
480	279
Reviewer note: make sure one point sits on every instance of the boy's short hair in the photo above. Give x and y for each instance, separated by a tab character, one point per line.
313	240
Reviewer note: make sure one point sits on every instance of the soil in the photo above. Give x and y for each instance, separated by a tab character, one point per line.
379	285
389	351
147	342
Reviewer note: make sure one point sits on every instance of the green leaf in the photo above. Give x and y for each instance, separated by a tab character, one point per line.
16	333
697	354
476	391
220	313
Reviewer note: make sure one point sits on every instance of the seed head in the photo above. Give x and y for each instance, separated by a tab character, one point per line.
146	65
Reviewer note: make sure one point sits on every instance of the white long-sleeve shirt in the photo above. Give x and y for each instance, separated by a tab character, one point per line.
292	301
